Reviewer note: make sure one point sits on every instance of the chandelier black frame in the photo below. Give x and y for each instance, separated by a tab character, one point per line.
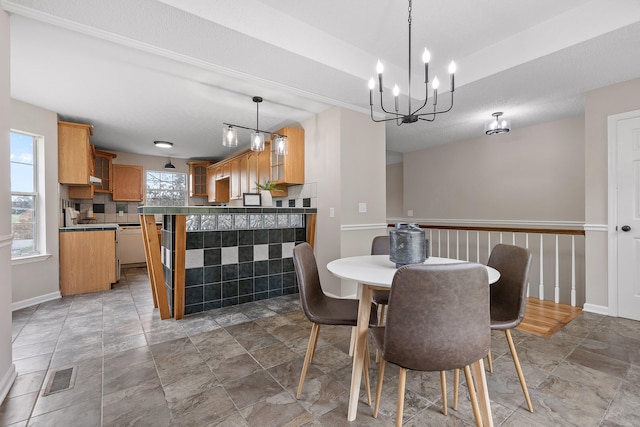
413	115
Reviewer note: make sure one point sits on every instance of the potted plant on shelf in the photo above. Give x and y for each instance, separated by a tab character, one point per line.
265	192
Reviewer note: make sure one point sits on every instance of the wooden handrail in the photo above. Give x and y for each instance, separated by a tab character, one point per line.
502	229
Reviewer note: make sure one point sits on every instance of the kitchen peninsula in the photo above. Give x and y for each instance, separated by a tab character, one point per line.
212	257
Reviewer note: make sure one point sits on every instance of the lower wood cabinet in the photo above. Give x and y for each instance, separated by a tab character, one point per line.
87	261
127	183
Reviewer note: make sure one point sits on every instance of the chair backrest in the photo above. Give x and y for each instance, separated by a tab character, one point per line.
311	294
381	245
509	293
438	317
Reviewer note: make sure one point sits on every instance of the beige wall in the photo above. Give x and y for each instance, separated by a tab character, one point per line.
600	104
344	155
534	173
395	198
7	369
38	281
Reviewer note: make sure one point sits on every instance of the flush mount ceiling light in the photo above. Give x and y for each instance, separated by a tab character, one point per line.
412	116
230	135
163	144
169	165
497	126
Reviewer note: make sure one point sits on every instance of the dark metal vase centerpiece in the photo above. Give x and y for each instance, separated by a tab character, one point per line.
408	245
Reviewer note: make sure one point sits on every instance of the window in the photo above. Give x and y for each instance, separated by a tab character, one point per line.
24	195
166	189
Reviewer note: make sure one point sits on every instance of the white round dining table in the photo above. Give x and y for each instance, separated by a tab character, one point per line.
379	270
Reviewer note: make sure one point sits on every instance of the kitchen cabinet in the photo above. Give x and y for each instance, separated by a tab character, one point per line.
87	261
198	178
288	169
217	185
103	170
81	191
75	153
238	177
127	183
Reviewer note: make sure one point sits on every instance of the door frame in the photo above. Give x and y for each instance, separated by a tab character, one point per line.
612	240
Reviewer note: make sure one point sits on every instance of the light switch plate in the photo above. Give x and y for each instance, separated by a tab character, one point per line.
362	207
332	212
410	212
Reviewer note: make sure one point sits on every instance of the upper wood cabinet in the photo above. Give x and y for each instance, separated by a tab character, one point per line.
103	166
75	153
127	183
198	178
81	191
288	169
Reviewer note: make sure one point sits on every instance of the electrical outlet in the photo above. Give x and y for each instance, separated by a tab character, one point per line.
362	207
332	212
410	212
120	213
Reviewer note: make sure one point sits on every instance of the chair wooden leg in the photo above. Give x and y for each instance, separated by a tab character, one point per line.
456	381
516	361
352	344
402	382
443	387
472	396
383	310
490	361
365	371
315	328
315	343
378	388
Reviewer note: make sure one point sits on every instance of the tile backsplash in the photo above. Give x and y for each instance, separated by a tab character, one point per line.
105	210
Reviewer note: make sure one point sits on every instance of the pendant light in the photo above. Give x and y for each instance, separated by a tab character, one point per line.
230	135
169	165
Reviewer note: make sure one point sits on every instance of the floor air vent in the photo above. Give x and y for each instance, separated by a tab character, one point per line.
61	380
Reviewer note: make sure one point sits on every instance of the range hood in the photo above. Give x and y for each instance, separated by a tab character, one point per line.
94	180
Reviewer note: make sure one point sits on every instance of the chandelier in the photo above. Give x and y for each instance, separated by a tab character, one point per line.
412	116
230	135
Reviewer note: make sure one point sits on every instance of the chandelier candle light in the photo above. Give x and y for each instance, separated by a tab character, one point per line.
230	135
412	116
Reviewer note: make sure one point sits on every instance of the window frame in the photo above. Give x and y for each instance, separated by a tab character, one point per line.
37	219
149	201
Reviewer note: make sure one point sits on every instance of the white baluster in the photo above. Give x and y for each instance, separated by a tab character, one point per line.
514	238
448	240
478	246
467	245
457	245
541	286
557	288
501	237
439	243
573	270
430	242
488	244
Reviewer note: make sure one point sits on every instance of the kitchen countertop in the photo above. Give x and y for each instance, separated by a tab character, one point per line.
90	227
203	210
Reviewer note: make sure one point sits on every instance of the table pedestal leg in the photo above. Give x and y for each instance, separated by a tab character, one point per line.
483	393
364	311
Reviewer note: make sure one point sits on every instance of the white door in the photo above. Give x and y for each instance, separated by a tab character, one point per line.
628	221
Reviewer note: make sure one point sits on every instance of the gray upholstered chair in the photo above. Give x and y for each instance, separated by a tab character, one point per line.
437	319
321	309
380	245
509	298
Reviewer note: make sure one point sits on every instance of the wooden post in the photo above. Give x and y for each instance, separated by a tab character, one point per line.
179	266
311	229
154	264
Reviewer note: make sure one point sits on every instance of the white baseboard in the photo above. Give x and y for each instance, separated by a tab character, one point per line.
7	382
597	309
36	300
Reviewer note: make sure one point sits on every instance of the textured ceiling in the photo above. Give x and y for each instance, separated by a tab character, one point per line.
176	69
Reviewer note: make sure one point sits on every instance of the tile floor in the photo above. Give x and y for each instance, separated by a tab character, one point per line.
239	366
